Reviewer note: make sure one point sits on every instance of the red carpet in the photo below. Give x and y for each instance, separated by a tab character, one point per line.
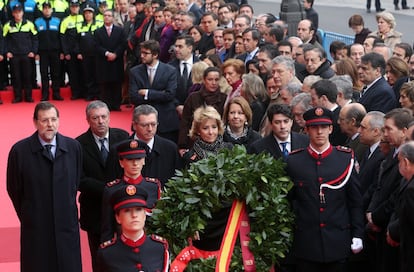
15	124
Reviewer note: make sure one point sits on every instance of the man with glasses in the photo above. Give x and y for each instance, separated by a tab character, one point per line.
162	158
100	165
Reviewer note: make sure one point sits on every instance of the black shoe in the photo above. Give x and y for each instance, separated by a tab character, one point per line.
16	100
44	98
1	102
75	97
405	7
380	9
57	97
89	98
29	100
368	11
396	7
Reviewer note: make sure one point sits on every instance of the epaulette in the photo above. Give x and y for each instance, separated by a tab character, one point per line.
108	243
153	180
112	183
296	151
159	239
344	149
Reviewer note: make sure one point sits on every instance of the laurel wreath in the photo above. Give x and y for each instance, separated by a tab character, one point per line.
194	194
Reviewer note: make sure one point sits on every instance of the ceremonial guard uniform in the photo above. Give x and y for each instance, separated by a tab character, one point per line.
49	52
147	253
127	149
325	198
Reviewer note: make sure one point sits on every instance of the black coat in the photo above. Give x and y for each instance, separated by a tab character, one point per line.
162	161
182	91
269	144
324	229
43	193
379	97
251	137
96	174
161	94
110	71
406	228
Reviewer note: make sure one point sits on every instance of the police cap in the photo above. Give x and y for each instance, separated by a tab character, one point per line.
74	2
318	116
140	1
17	7
88	8
132	149
128	196
46	4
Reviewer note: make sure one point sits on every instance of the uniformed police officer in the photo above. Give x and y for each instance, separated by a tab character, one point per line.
325	198
86	48
132	155
69	38
133	250
21	46
49	51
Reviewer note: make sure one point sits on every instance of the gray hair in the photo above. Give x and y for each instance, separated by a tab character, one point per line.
407	151
143	109
286	61
376	120
293	88
302	98
96	104
344	85
311	79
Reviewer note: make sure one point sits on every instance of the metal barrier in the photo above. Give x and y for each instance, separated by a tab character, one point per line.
328	37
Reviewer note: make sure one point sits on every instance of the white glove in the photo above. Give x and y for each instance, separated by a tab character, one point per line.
356	245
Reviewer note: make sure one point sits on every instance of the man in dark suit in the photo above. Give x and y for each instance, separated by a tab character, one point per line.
326	199
382	204
100	165
377	94
406	225
209	22
282	140
43	174
324	94
350	117
162	158
251	40
183	62
370	134
111	44
155	83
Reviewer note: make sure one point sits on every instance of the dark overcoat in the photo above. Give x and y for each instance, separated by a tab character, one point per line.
43	192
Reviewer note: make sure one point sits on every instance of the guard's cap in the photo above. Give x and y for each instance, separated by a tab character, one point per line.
46	4
140	1
132	149
318	116
74	3
103	3
88	8
17	6
128	196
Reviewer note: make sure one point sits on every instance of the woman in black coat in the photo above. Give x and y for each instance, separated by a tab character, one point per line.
238	120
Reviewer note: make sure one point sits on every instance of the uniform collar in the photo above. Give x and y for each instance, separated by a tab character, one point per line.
131	243
133	181
319	155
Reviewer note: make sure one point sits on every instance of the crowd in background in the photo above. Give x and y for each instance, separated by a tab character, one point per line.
182	62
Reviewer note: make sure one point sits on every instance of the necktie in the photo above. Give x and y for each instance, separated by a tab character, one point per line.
185	75
104	151
363	91
285	152
125	18
108	30
49	151
151	75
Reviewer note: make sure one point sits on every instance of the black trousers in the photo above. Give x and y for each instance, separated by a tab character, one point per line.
89	76
21	70
94	241
110	93
309	266
75	76
50	65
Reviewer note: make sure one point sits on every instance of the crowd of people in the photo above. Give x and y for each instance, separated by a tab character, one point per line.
205	76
